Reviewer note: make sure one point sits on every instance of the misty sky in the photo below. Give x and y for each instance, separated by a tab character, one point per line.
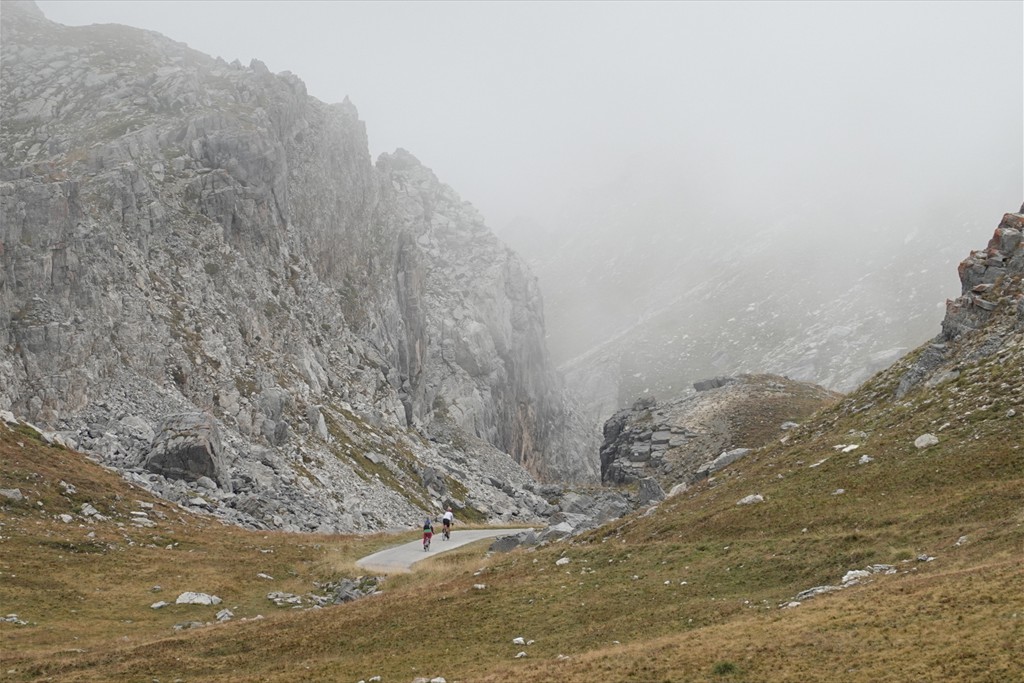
519	105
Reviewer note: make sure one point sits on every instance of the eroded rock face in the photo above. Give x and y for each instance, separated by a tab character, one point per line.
181	235
990	278
986	317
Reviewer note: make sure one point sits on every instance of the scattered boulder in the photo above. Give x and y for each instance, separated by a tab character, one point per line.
725	459
12	495
504	544
650	492
188	447
751	499
284	599
926	441
713	383
190	598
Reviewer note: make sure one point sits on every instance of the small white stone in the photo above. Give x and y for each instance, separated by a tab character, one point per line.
562	561
926	441
520	655
519	641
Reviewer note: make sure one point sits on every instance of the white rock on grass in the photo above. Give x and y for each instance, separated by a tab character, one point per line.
519	641
678	488
855	575
926	441
190	598
562	561
12	494
865	459
158	605
751	499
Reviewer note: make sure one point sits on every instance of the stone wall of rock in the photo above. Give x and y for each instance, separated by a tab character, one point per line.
182	235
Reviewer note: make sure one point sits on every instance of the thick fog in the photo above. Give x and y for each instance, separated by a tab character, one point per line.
589	133
517	105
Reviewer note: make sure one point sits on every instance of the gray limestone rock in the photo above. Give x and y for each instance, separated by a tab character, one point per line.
12	495
650	492
184	236
188	447
713	383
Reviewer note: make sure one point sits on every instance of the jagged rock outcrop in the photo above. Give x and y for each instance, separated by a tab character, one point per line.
985	318
671	441
184	235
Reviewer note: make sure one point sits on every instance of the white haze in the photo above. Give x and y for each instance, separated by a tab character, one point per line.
684	120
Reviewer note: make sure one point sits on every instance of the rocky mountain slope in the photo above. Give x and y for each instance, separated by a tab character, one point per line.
182	236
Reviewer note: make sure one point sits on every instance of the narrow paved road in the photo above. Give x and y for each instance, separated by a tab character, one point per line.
402	557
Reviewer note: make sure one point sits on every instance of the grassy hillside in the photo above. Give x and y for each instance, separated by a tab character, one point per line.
694	591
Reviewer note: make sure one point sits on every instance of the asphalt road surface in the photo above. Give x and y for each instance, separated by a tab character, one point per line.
401	558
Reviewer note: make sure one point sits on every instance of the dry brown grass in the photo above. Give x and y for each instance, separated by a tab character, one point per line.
619	611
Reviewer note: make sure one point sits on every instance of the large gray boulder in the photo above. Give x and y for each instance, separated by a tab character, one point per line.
188	447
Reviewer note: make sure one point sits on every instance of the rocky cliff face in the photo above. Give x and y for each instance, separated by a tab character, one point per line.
986	319
181	235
